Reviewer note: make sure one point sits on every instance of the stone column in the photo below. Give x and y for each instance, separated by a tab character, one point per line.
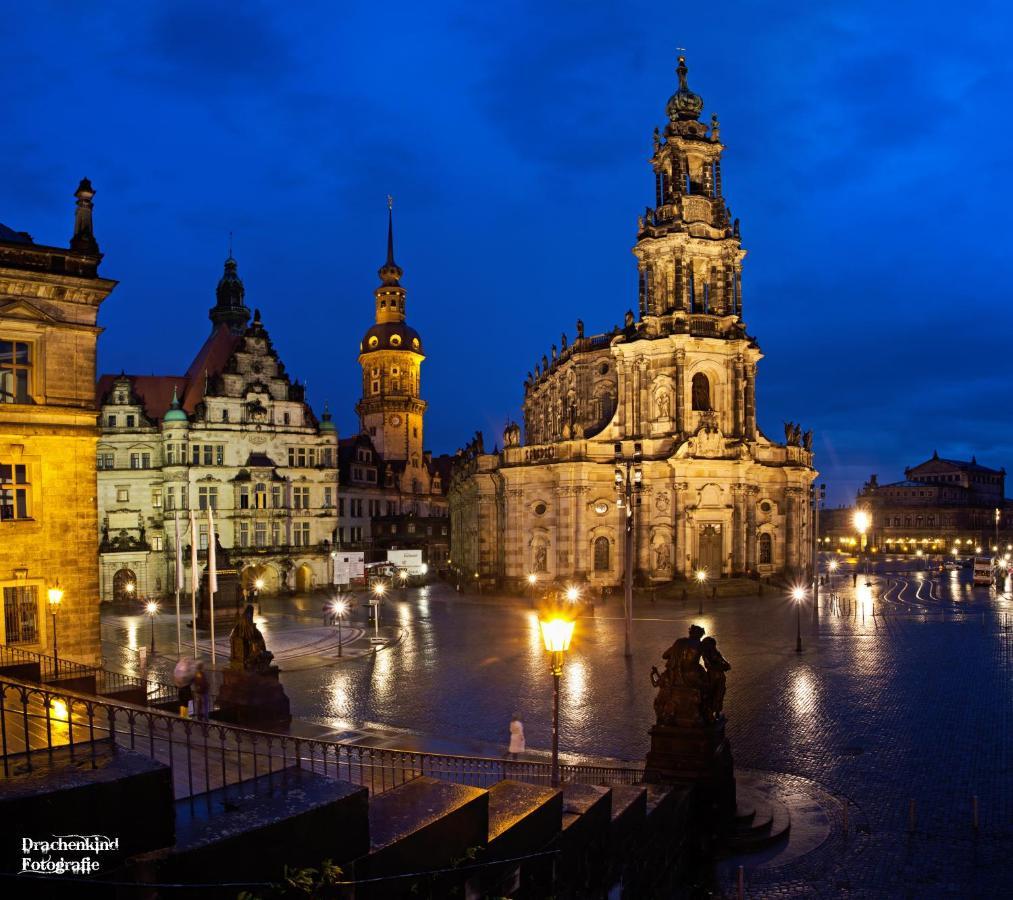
642	533
750	402
791	529
580	566
680	391
680	285
622	410
643	398
738	544
751	561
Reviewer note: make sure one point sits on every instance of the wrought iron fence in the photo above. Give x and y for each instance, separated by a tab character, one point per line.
52	669
37	721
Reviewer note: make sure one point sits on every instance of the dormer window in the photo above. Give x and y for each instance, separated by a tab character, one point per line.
15	372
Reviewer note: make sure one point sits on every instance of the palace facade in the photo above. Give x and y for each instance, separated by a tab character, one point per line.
673	390
233	433
49	302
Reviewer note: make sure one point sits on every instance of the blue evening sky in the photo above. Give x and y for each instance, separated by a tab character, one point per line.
868	158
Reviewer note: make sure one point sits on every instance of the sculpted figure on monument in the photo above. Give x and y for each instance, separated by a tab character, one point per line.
249	652
688	693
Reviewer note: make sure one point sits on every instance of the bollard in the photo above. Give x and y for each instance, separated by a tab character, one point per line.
911	816
974	811
845	812
741	892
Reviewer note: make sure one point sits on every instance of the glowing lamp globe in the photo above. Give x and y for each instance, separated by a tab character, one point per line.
557	634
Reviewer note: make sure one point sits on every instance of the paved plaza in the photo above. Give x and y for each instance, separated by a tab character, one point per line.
902	692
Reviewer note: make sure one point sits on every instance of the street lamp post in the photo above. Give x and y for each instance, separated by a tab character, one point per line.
818	497
151	608
628	485
798	595
557	633
55	597
340	607
378	591
701	578
861	523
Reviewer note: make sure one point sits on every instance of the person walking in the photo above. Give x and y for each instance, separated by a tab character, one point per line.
516	736
200	693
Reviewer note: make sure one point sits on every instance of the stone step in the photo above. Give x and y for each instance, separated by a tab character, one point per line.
242	832
769	823
421	825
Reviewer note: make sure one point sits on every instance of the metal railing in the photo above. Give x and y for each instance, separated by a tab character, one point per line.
106	681
37	721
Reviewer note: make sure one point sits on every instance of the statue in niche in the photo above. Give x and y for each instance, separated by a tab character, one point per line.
662	557
664	405
541	559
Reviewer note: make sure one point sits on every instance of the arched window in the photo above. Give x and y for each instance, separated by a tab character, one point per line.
766	550
606	408
701	392
601	554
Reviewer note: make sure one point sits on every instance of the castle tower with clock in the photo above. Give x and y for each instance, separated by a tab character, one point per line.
391	411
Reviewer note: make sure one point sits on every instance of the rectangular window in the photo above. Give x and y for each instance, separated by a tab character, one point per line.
225	415
371	475
260	534
170	498
301	534
131	420
301	498
21	615
156	498
14	492
15	371
220	455
106	460
111	421
244	534
376	387
411	528
341	507
327	457
341	534
209	455
328	497
195	454
156	542
390	508
291	456
276	498
202	536
170	454
244	497
276	533
122	495
207	496
260	496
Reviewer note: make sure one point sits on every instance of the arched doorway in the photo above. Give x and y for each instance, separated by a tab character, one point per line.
124	586
304	579
711	555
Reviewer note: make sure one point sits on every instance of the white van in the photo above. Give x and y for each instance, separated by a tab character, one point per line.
982	570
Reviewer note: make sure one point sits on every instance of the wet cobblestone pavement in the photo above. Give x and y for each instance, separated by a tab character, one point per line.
903	692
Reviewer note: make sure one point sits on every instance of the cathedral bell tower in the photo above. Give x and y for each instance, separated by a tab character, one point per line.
688	251
391	411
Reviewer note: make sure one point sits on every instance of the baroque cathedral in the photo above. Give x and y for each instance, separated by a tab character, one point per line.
673	390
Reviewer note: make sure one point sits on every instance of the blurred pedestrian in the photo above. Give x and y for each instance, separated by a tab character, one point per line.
185	699
200	689
516	736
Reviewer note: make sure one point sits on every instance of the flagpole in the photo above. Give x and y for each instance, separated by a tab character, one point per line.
212	579
178	577
193	577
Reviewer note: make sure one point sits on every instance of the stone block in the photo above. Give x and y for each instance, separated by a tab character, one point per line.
126	795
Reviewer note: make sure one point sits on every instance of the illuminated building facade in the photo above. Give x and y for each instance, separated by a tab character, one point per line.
676	383
234	432
49	303
940	504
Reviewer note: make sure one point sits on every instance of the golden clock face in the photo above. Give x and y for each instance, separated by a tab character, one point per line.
395	421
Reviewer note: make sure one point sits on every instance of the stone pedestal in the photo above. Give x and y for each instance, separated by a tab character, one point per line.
228	600
697	754
253	698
